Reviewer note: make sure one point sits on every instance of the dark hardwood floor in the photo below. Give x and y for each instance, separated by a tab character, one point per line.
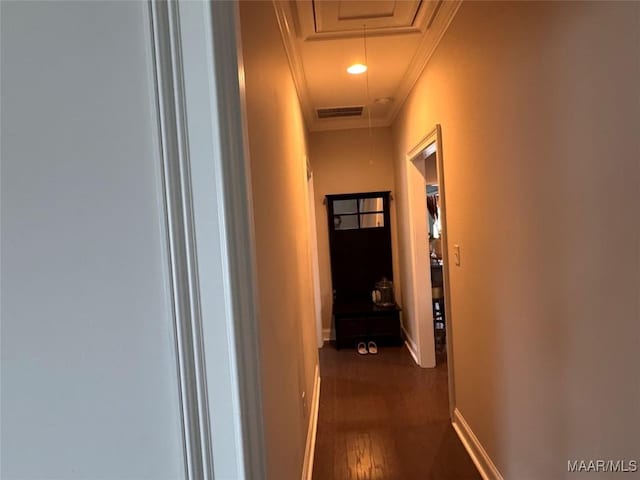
384	418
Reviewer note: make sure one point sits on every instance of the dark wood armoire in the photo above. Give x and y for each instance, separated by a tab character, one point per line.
360	247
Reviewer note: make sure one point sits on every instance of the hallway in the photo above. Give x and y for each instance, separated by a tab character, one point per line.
383	417
165	236
512	87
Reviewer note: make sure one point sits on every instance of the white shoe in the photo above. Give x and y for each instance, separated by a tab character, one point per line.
372	348
362	348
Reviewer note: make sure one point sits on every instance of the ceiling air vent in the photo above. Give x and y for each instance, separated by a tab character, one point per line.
338	112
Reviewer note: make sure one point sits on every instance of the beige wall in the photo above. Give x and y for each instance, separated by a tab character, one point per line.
539	107
278	169
430	170
348	161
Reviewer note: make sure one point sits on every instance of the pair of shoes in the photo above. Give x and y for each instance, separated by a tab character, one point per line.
370	347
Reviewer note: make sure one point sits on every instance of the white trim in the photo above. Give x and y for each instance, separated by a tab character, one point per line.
313	253
449	321
328	334
419	293
169	77
310	449
239	237
240	411
287	31
411	346
424	142
420	268
476	451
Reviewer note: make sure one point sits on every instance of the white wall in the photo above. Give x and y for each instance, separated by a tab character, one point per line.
349	161
89	383
539	109
278	151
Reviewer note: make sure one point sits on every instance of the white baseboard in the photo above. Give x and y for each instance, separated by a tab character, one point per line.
310	449
327	334
411	346
476	451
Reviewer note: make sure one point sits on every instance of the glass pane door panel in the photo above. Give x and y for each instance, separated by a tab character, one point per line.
345	206
371	220
371	204
345	222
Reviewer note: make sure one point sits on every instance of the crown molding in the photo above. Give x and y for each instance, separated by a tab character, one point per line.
435	25
443	17
286	23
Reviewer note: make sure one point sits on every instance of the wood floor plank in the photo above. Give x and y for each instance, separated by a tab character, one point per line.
382	417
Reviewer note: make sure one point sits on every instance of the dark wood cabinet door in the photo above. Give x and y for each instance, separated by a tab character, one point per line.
360	243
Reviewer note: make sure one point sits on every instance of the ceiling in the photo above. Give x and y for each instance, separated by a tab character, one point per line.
323	37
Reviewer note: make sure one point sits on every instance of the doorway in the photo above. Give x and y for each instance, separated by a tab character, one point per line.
429	298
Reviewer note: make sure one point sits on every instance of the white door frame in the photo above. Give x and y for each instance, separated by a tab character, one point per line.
420	275
313	254
198	64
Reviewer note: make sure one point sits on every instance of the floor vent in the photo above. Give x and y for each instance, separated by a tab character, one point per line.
337	112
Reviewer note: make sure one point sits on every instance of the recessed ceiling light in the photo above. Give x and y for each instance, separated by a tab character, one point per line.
357	69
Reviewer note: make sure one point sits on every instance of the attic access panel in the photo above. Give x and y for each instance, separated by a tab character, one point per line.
328	19
340	16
